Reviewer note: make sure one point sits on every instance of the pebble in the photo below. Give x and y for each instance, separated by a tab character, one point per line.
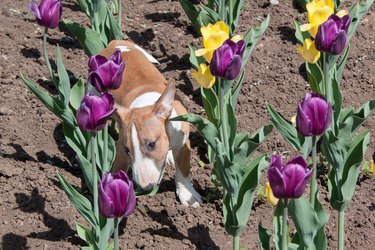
5	111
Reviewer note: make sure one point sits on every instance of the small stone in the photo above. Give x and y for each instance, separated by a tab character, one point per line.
274	2
5	111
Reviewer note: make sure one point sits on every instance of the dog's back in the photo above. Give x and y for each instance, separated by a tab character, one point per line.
140	74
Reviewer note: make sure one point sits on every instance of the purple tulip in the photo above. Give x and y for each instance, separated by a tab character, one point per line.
227	59
314	115
331	36
95	111
288	181
106	74
48	13
116	195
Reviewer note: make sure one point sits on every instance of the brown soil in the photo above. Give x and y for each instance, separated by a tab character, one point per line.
34	211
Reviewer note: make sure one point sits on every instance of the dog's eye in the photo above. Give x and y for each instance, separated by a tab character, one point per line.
127	151
151	146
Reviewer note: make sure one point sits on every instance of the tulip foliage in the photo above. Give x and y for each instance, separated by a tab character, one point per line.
323	124
104	26
219	70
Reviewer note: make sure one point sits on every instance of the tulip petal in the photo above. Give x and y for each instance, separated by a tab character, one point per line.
117	77
277	182
300	187
96	81
293	174
106	206
96	61
303	122
131	202
339	43
234	68
298	160
33	7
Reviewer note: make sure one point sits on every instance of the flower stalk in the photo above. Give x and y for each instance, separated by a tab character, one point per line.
116	224
326	78
313	188
285	225
119	11
341	233
105	153
94	182
45	33
236	242
223	115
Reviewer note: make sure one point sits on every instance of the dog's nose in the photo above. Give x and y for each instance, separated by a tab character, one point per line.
148	187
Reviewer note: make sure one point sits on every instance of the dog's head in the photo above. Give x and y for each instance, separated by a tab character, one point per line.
143	135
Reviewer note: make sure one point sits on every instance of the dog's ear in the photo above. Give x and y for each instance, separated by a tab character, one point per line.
163	107
120	113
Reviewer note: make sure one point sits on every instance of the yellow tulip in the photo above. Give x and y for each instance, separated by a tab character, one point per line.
270	198
204	76
318	12
308	51
214	36
373	168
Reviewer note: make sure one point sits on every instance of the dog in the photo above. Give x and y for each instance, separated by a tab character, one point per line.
148	139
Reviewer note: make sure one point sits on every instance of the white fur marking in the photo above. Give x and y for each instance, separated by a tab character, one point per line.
185	190
147	55
146	99
144	168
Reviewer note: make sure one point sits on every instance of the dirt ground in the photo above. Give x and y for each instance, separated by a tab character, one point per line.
34	211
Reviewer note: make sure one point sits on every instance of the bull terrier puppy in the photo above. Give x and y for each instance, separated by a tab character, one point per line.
148	139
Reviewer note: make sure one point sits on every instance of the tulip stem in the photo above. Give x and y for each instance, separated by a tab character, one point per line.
223	116
326	77
105	153
81	138
119	10
95	184
96	17
313	187
116	247
230	14
46	55
222	9
285	226
236	242
341	230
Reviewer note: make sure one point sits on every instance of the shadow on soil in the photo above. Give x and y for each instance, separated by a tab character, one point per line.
198	235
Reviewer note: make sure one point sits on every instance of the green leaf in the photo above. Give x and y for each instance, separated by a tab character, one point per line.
300	35
101	162
264	236
205	127
77	93
194	60
244	146
287	130
210	103
341	65
252	37
89	39
86	235
86	167
356	13
238	4
192	13
52	103
84	4
315	77
236	89
64	81
278	225
351	169
73	140
305	220
80	202
107	229
207	16
115	31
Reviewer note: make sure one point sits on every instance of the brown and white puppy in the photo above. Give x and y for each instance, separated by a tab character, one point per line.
147	138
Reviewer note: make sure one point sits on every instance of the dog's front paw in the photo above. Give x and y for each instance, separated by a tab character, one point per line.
187	194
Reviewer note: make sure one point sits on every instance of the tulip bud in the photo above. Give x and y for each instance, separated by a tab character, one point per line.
227	59
48	13
288	181
95	111
331	36
116	195
106	74
314	115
